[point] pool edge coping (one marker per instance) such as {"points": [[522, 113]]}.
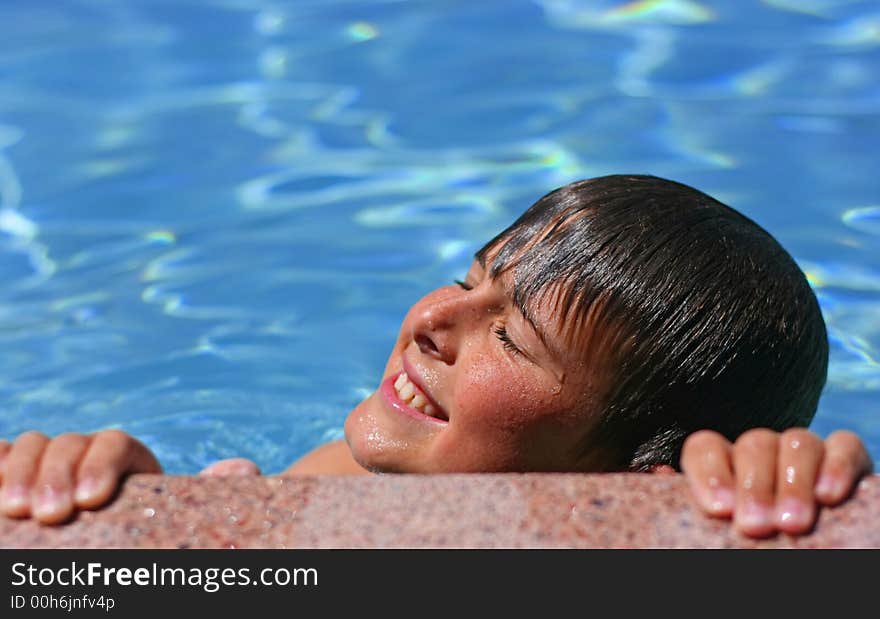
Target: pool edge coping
{"points": [[438, 511]]}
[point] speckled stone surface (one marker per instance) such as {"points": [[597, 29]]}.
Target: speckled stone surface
{"points": [[441, 511]]}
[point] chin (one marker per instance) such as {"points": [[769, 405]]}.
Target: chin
{"points": [[366, 440]]}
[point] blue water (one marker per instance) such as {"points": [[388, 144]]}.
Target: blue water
{"points": [[214, 213]]}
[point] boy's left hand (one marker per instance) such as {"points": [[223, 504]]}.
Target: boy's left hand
{"points": [[769, 481]]}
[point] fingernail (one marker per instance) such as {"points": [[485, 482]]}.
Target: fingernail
{"points": [[792, 512], [86, 489], [49, 500], [753, 515], [722, 500], [829, 486], [14, 497]]}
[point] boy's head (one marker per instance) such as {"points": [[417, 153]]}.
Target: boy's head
{"points": [[626, 312]]}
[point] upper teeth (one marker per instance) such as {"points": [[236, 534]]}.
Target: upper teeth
{"points": [[407, 392]]}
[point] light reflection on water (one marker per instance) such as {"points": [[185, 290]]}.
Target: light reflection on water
{"points": [[213, 215]]}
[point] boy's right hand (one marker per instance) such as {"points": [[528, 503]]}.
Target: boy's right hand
{"points": [[49, 479]]}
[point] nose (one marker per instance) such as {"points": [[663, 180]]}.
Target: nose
{"points": [[438, 325]]}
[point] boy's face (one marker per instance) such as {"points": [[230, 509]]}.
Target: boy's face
{"points": [[472, 385]]}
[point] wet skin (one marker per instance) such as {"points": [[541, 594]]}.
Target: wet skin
{"points": [[506, 398], [510, 398]]}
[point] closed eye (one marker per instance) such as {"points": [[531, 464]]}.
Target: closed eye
{"points": [[464, 285], [501, 333]]}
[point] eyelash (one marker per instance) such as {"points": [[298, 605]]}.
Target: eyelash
{"points": [[501, 332]]}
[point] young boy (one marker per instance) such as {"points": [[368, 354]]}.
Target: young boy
{"points": [[614, 319]]}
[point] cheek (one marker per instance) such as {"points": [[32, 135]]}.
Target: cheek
{"points": [[504, 395]]}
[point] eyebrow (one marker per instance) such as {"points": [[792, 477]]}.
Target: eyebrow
{"points": [[524, 311], [526, 314]]}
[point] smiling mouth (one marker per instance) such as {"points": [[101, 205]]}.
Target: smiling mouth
{"points": [[413, 397]]}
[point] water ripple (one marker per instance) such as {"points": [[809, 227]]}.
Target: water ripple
{"points": [[864, 219], [202, 203]]}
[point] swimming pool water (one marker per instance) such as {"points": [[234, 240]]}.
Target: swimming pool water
{"points": [[214, 213]]}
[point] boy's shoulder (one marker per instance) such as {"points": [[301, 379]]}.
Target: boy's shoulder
{"points": [[329, 459]]}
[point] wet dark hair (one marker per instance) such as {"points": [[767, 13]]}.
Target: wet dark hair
{"points": [[705, 320]]}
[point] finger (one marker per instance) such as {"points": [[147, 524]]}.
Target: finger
{"points": [[846, 461], [800, 455], [238, 467], [754, 463], [52, 492], [20, 468], [706, 463], [5, 447], [111, 455]]}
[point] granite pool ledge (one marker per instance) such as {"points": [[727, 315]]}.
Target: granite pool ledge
{"points": [[442, 511]]}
